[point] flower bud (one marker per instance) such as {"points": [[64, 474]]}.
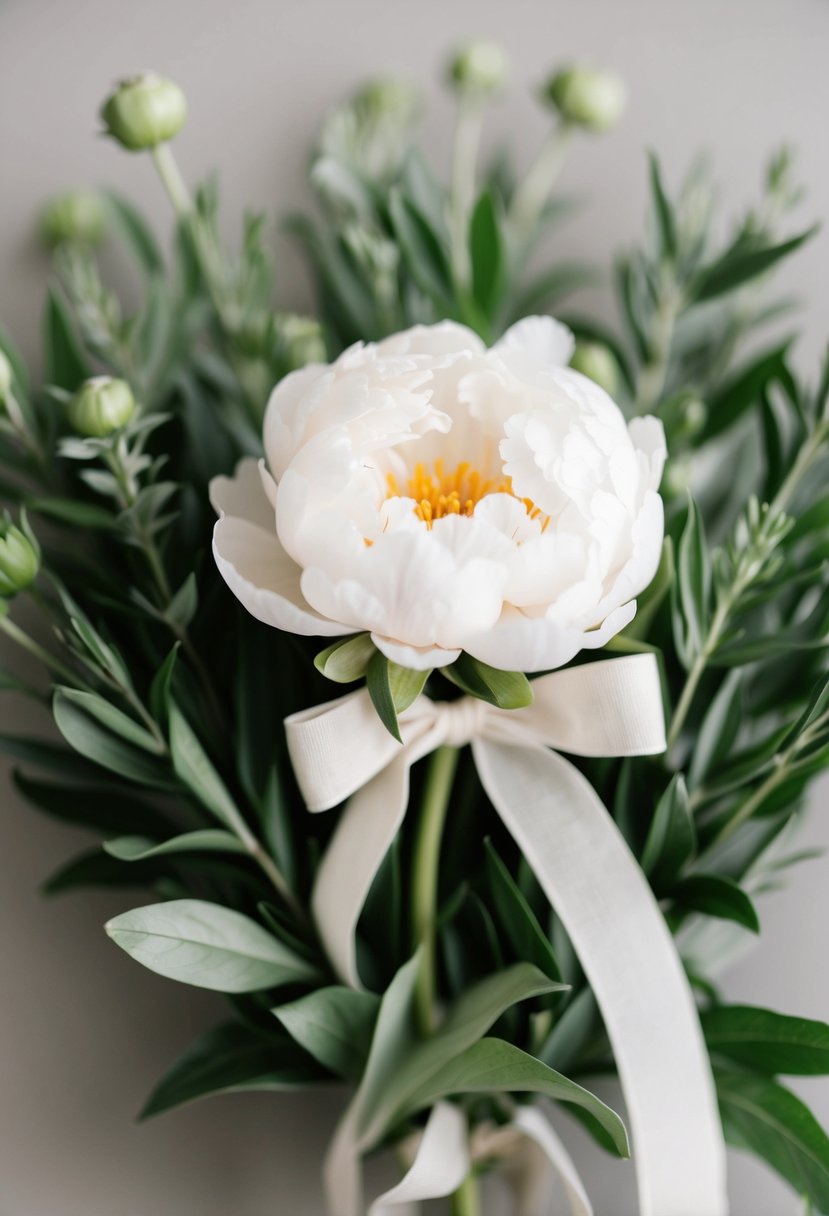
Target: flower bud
{"points": [[598, 362], [478, 67], [144, 111], [100, 406], [75, 216], [6, 378], [586, 97], [388, 99], [19, 559], [300, 340]]}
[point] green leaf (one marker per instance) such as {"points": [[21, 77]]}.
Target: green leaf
{"points": [[53, 757], [135, 232], [693, 582], [517, 920], [718, 732], [75, 514], [742, 390], [382, 697], [66, 365], [140, 848], [672, 838], [506, 689], [159, 696], [89, 737], [208, 946], [768, 1120], [767, 1042], [346, 660], [470, 1017], [493, 1066], [716, 896], [111, 718], [335, 1026], [405, 685], [193, 766], [551, 287], [229, 1059], [14, 357], [487, 255], [182, 607], [395, 1036], [741, 264], [663, 210], [93, 868], [421, 249], [103, 810]]}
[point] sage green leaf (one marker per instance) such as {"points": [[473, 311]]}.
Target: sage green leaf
{"points": [[663, 210], [50, 756], [740, 264], [421, 249], [208, 946], [111, 718], [494, 1066], [718, 732], [104, 810], [382, 698], [229, 1059], [762, 1116], [395, 1036], [743, 389], [140, 848], [346, 660], [405, 685], [89, 737], [716, 896], [135, 232], [693, 582], [74, 513], [159, 696], [505, 689], [466, 1021], [66, 365], [335, 1026], [767, 1042], [182, 607], [517, 920], [487, 255], [672, 838], [579, 1024], [193, 766]]}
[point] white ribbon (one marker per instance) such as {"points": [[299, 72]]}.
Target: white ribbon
{"points": [[609, 708]]}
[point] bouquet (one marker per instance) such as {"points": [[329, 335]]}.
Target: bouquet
{"points": [[535, 610]]}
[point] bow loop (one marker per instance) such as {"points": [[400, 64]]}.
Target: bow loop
{"points": [[460, 722]]}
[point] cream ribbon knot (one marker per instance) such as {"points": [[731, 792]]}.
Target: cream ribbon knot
{"points": [[608, 708]]}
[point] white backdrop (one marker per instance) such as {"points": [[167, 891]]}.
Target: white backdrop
{"points": [[83, 1031]]}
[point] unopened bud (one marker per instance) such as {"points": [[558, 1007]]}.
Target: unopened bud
{"points": [[301, 340], [598, 362], [479, 67], [388, 99], [100, 406], [19, 559], [74, 217], [587, 97], [144, 111]]}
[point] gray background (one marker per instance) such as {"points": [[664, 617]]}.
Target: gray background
{"points": [[83, 1031]]}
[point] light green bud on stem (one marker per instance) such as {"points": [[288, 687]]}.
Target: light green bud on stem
{"points": [[76, 216], [19, 559], [6, 378], [586, 97], [598, 362], [100, 406], [388, 99], [144, 111], [478, 67]]}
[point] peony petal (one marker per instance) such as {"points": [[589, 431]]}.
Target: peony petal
{"points": [[521, 643], [419, 658], [536, 342], [243, 495], [265, 580]]}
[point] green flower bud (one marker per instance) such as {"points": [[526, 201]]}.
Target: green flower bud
{"points": [[6, 378], [598, 362], [76, 216], [19, 559], [300, 340], [678, 476], [100, 406], [478, 67], [144, 111], [586, 97], [388, 99]]}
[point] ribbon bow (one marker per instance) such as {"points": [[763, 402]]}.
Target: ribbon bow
{"points": [[608, 708]]}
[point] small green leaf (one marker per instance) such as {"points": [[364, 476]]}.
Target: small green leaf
{"points": [[767, 1042], [94, 741], [111, 718], [662, 208], [66, 365], [334, 1025], [718, 732], [140, 848], [740, 264], [159, 698], [382, 697], [229, 1059], [421, 249], [346, 660], [193, 766], [75, 514], [671, 840], [136, 233], [517, 920], [506, 689], [208, 946], [406, 685], [742, 390], [182, 607], [693, 583], [487, 255], [716, 896], [98, 808]]}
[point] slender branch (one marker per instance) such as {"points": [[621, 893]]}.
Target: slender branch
{"points": [[533, 191], [49, 661], [466, 1200], [442, 766], [468, 128]]}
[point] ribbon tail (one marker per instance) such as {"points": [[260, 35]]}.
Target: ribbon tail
{"points": [[368, 825], [603, 899], [441, 1162], [342, 1171], [550, 1158]]}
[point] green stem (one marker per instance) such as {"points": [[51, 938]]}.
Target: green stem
{"points": [[651, 383], [468, 127], [466, 1200], [532, 193], [442, 766], [22, 639], [172, 180]]}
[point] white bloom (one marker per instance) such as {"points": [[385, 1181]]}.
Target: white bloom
{"points": [[446, 497]]}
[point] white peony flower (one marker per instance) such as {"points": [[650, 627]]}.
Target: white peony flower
{"points": [[447, 498]]}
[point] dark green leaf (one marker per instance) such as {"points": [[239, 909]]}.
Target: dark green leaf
{"points": [[76, 514], [487, 254], [382, 698], [96, 743], [663, 210], [671, 841], [517, 920], [101, 809], [66, 366], [767, 1042], [741, 264], [743, 390], [716, 896], [506, 689], [334, 1025], [421, 249]]}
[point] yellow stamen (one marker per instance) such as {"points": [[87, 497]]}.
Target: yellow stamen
{"points": [[458, 492]]}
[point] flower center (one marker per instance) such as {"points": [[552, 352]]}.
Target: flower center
{"points": [[439, 492]]}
